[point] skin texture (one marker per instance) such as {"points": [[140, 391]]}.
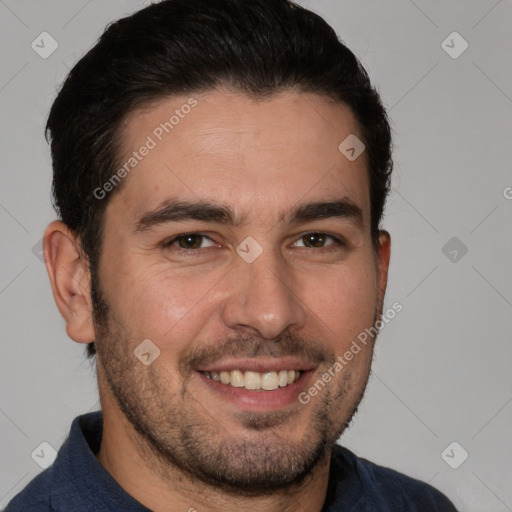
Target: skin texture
{"points": [[170, 439]]}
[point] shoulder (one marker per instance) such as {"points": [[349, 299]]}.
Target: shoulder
{"points": [[388, 489], [57, 484], [35, 497]]}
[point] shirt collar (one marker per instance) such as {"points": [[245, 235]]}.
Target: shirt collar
{"points": [[78, 477]]}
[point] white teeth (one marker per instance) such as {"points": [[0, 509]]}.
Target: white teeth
{"points": [[237, 379], [267, 381], [252, 380]]}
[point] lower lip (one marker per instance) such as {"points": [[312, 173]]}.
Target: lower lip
{"points": [[252, 400]]}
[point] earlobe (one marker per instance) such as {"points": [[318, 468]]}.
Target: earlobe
{"points": [[69, 275], [383, 258]]}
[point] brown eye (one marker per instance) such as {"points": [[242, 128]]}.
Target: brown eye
{"points": [[315, 239], [318, 240], [190, 241]]}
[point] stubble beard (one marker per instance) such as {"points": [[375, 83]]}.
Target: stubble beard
{"points": [[172, 431]]}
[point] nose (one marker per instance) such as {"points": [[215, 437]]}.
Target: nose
{"points": [[263, 297]]}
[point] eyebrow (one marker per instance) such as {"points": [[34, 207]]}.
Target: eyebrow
{"points": [[178, 211]]}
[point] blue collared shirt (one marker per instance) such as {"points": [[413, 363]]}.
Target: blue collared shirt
{"points": [[77, 482]]}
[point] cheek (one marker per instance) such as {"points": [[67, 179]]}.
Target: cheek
{"points": [[344, 304], [164, 304]]}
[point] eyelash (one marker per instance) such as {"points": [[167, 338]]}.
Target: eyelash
{"points": [[338, 242]]}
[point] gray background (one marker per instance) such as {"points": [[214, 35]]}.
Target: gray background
{"points": [[442, 367]]}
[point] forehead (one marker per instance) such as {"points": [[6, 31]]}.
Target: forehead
{"points": [[259, 156]]}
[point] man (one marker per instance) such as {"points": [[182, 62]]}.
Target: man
{"points": [[220, 172]]}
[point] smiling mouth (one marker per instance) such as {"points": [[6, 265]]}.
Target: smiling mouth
{"points": [[266, 381]]}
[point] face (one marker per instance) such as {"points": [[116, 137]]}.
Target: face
{"points": [[240, 246]]}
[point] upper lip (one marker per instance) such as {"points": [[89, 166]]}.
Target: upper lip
{"points": [[259, 365]]}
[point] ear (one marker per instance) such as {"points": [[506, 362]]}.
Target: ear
{"points": [[383, 257], [69, 274]]}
